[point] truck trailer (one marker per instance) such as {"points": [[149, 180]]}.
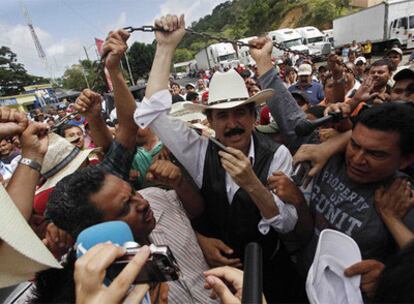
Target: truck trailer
{"points": [[387, 24]]}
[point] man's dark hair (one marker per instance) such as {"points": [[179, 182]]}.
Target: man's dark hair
{"points": [[191, 96], [64, 127], [391, 117], [56, 285], [382, 62], [395, 283], [69, 205]]}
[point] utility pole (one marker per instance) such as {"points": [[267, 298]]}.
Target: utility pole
{"points": [[86, 53], [129, 69]]}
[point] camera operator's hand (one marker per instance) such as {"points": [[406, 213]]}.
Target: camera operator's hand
{"points": [[12, 122], [89, 104], [165, 172], [90, 272], [213, 250], [114, 48], [221, 279], [34, 141]]}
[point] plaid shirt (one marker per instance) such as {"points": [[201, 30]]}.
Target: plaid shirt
{"points": [[117, 161]]}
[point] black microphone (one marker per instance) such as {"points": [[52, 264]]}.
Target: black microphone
{"points": [[253, 274], [306, 127]]}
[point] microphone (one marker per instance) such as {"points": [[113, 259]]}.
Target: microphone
{"points": [[253, 274], [306, 127], [117, 232]]}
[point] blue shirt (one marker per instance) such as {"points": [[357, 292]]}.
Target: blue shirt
{"points": [[314, 92]]}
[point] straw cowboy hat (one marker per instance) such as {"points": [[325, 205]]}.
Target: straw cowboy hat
{"points": [[61, 159], [227, 90], [22, 253], [178, 111]]}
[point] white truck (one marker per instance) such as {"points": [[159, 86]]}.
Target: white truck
{"points": [[315, 40], [385, 25], [288, 38], [218, 55], [244, 53]]}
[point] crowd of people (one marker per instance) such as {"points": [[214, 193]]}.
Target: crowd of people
{"points": [[207, 169]]}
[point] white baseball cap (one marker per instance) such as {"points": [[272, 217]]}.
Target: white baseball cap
{"points": [[326, 281], [360, 59], [305, 70]]}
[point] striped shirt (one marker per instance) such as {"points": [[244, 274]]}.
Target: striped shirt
{"points": [[174, 229]]}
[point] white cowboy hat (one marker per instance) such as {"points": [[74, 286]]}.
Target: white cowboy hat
{"points": [[61, 159], [188, 115], [22, 253], [227, 90]]}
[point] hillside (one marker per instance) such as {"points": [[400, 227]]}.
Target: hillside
{"points": [[244, 18]]}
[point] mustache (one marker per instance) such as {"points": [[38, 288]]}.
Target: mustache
{"points": [[235, 131]]}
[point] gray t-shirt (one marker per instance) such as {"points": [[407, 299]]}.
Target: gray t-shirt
{"points": [[335, 202]]}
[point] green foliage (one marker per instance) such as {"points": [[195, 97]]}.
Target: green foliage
{"points": [[78, 76], [13, 75], [140, 57], [244, 18], [182, 55]]}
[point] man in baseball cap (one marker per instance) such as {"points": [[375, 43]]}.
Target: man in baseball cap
{"points": [[403, 89], [305, 84]]}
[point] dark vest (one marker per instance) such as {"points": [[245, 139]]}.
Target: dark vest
{"points": [[236, 223]]}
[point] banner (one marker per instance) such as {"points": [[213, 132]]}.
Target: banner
{"points": [[99, 44]]}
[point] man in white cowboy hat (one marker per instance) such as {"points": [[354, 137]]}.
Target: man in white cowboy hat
{"points": [[238, 208]]}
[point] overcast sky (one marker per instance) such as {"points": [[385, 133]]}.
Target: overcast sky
{"points": [[65, 26]]}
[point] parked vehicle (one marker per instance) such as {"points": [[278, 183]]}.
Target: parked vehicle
{"points": [[387, 24], [315, 40], [288, 38], [218, 55], [244, 53], [329, 36]]}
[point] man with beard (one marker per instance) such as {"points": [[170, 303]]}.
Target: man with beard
{"points": [[313, 89], [238, 208]]}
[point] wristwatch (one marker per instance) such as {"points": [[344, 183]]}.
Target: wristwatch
{"points": [[31, 163]]}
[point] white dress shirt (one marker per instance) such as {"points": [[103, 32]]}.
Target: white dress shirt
{"points": [[190, 150]]}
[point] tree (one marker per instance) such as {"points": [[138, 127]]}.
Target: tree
{"points": [[80, 75], [13, 75], [140, 57], [182, 55]]}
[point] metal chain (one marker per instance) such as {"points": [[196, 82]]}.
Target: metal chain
{"points": [[150, 28]]}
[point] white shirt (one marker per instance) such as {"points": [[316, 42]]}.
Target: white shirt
{"points": [[190, 149]]}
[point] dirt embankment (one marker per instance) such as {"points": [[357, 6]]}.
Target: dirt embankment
{"points": [[291, 19]]}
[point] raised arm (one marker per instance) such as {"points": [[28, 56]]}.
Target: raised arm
{"points": [[282, 105], [166, 45], [89, 105], [115, 47], [21, 187]]}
